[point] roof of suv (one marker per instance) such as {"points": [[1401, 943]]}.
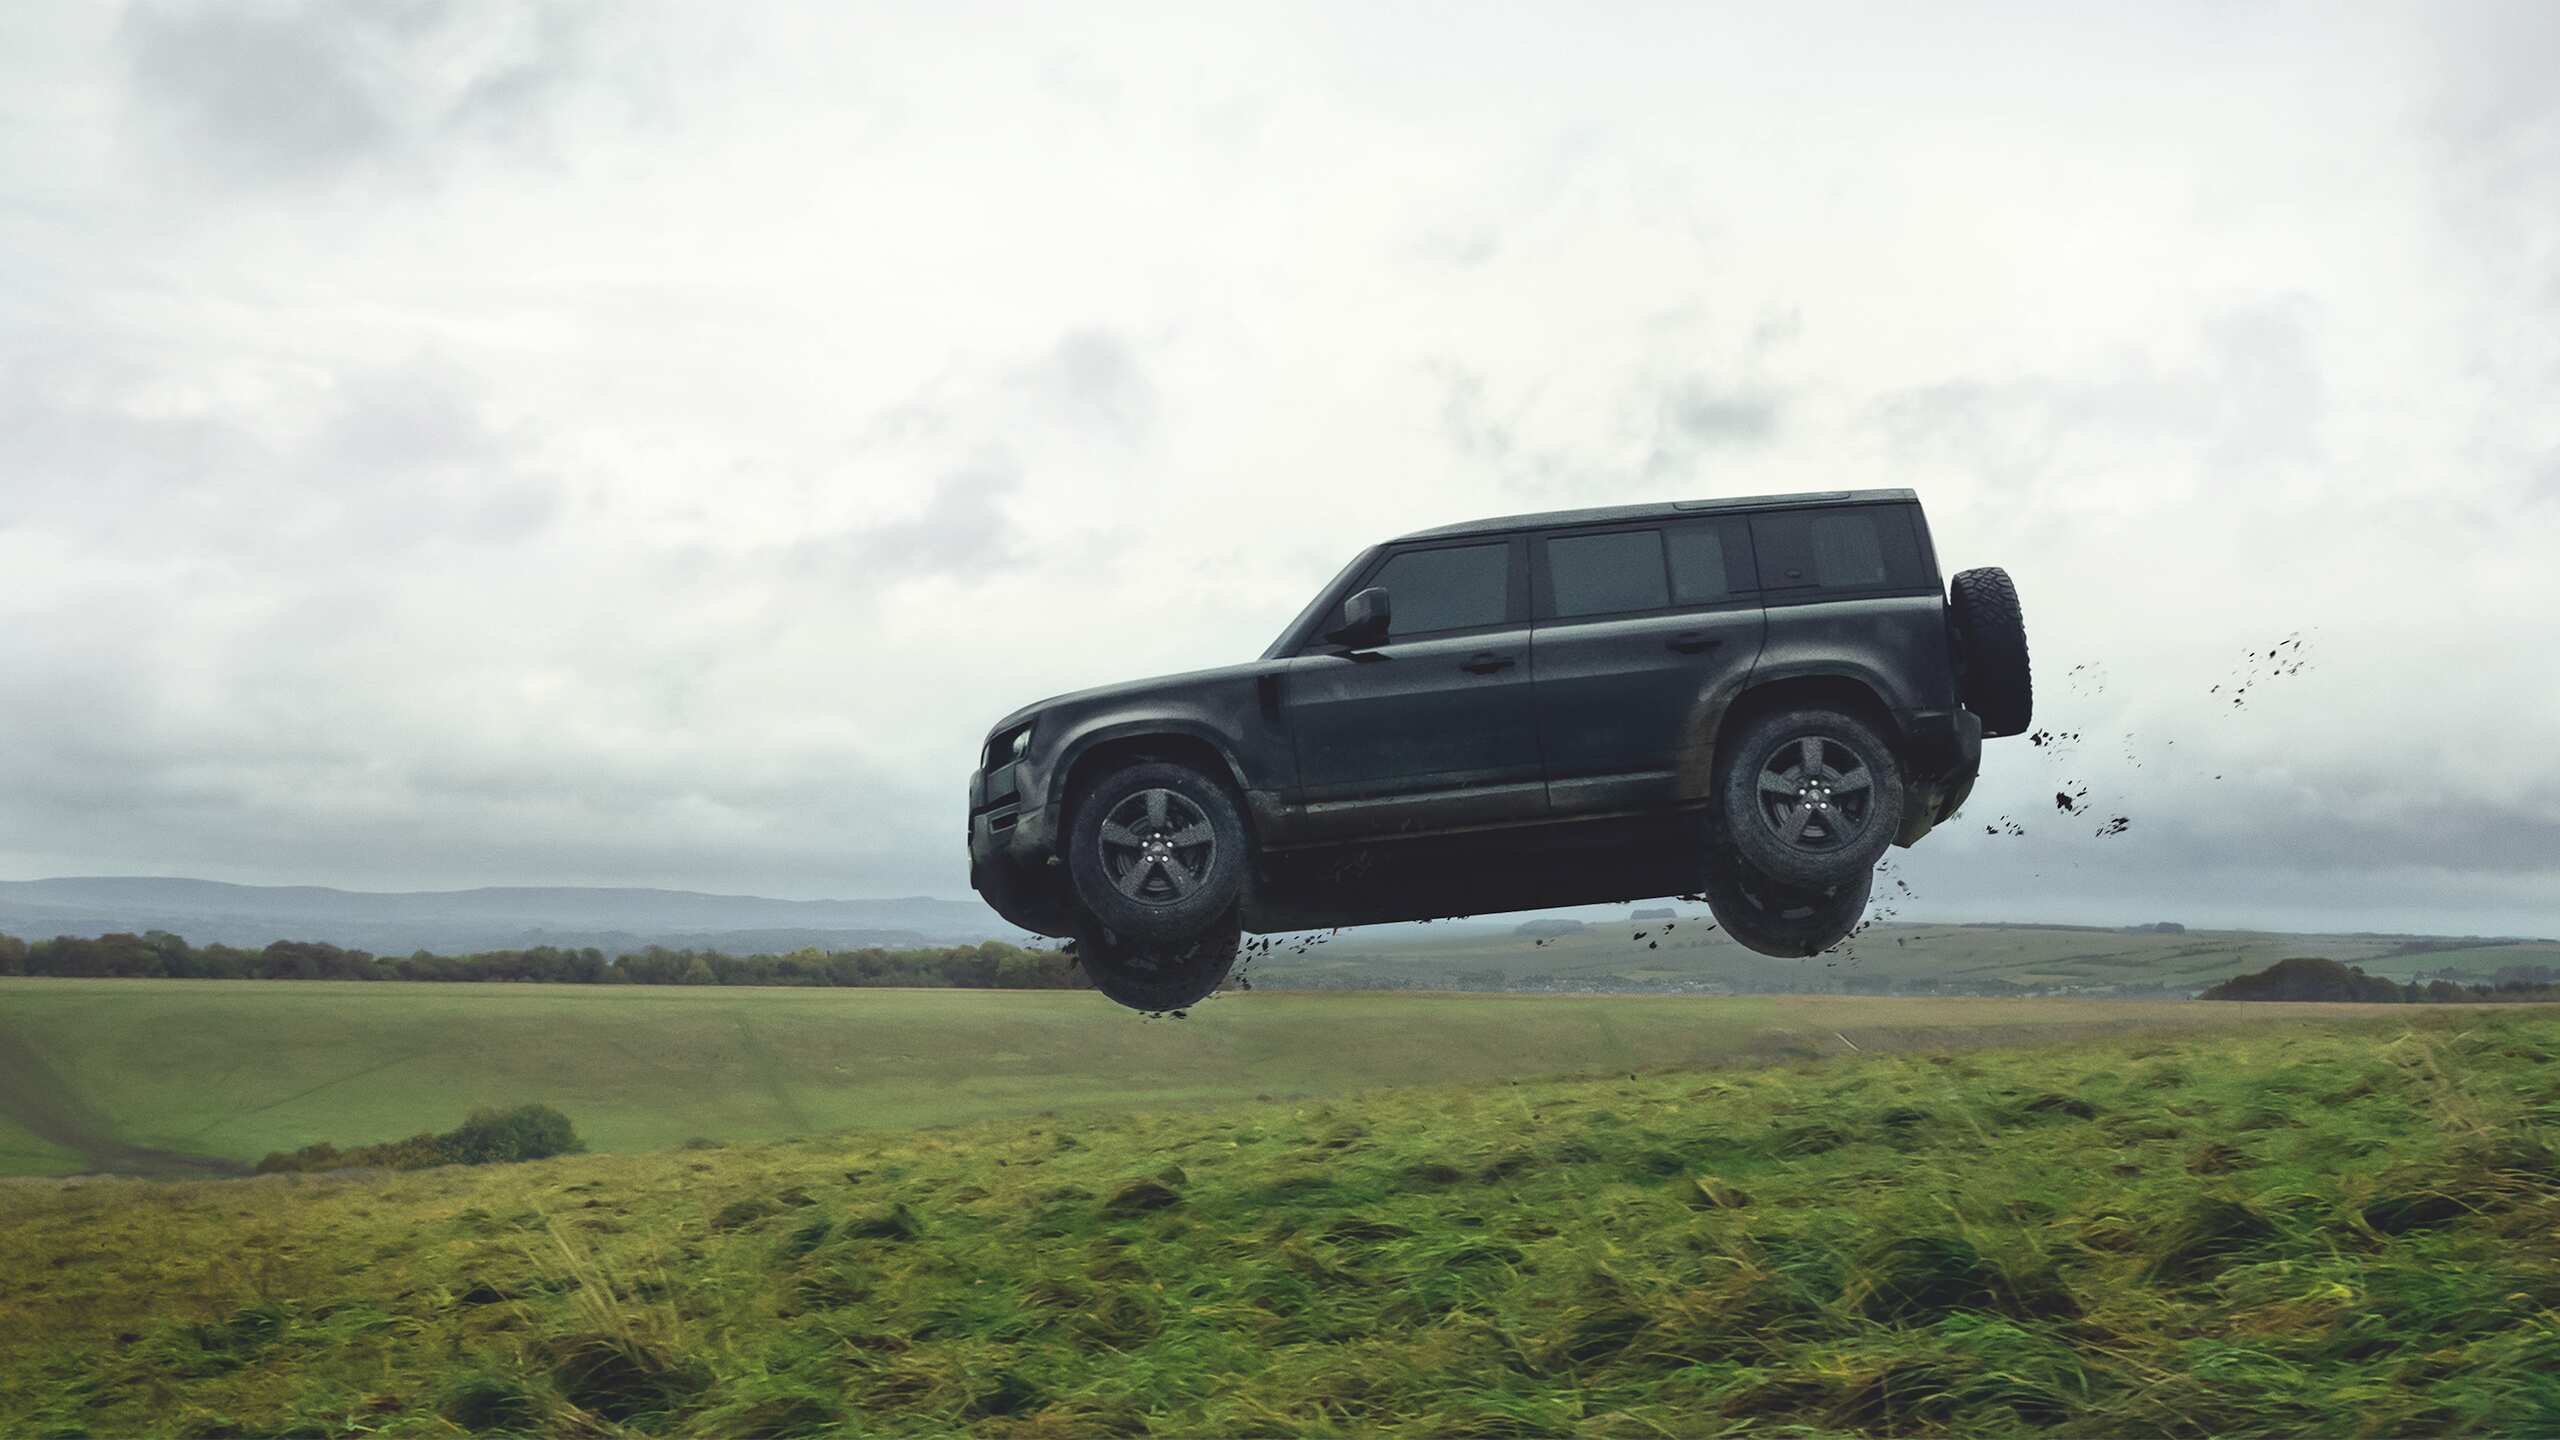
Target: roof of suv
{"points": [[1657, 510]]}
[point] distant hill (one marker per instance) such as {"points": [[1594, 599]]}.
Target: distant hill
{"points": [[614, 919], [2306, 977]]}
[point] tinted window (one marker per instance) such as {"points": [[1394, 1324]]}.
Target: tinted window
{"points": [[1447, 589], [1847, 551], [1699, 574], [1868, 547], [1606, 574]]}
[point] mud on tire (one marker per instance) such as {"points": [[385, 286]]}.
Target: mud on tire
{"points": [[1156, 850], [1993, 674], [1773, 919], [1810, 798], [1158, 975]]}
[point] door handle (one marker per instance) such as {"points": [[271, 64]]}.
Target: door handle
{"points": [[1487, 663], [1690, 642]]}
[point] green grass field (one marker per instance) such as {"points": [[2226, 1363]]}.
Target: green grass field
{"points": [[2336, 1227], [1609, 956], [140, 1075]]}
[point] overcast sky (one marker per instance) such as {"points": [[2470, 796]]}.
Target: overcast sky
{"points": [[452, 444]]}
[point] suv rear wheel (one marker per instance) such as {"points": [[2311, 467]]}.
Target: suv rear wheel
{"points": [[1156, 850], [1811, 797], [1159, 975]]}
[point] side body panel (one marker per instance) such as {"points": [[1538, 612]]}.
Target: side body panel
{"points": [[1895, 645], [1628, 713], [1233, 712], [1636, 670], [1853, 592], [1409, 735], [1430, 731]]}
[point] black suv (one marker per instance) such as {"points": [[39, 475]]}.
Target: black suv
{"points": [[1747, 697]]}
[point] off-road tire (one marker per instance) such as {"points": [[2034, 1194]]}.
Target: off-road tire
{"points": [[1183, 880], [1774, 920], [1992, 673], [1809, 798], [1159, 975]]}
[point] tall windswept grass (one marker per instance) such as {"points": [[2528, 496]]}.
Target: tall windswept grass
{"points": [[2318, 1228]]}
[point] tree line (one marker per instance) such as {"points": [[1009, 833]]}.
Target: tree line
{"points": [[159, 955]]}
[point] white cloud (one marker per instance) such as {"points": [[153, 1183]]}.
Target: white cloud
{"points": [[649, 444]]}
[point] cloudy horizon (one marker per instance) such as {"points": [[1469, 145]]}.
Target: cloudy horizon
{"points": [[466, 445]]}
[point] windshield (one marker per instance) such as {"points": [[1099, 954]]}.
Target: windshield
{"points": [[1280, 646]]}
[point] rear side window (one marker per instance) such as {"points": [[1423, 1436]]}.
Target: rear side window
{"points": [[1847, 551], [1624, 572], [1458, 589], [1606, 574], [1863, 548]]}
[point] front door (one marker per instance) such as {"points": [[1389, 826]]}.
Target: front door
{"points": [[1643, 636], [1435, 729]]}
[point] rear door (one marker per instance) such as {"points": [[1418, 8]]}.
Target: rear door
{"points": [[1643, 635], [1434, 729]]}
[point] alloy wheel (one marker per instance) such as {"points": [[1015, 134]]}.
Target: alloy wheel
{"points": [[1157, 847], [1815, 793]]}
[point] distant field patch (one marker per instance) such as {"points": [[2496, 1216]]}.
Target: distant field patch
{"points": [[1912, 959]]}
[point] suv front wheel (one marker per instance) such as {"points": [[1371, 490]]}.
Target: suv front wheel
{"points": [[1159, 975], [1811, 797], [1156, 851]]}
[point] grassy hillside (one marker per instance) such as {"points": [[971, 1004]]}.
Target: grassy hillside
{"points": [[2335, 1228], [142, 1074], [1955, 958]]}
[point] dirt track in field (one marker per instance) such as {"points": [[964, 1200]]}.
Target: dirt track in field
{"points": [[39, 1100]]}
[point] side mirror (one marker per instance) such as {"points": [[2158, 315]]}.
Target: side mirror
{"points": [[1364, 621]]}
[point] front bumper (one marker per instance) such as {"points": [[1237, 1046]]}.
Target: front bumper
{"points": [[1011, 856], [1011, 835], [1942, 756]]}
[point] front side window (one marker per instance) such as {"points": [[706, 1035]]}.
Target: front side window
{"points": [[1458, 589], [1607, 574]]}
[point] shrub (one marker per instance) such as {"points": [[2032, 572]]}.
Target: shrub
{"points": [[528, 1132], [488, 1137]]}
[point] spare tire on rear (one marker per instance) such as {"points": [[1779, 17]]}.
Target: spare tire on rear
{"points": [[1991, 650]]}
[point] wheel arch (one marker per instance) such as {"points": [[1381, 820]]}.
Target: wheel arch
{"points": [[1843, 690], [1092, 755]]}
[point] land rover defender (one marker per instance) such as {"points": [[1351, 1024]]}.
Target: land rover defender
{"points": [[1749, 698]]}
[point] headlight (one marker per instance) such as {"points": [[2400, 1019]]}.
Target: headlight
{"points": [[1006, 747]]}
